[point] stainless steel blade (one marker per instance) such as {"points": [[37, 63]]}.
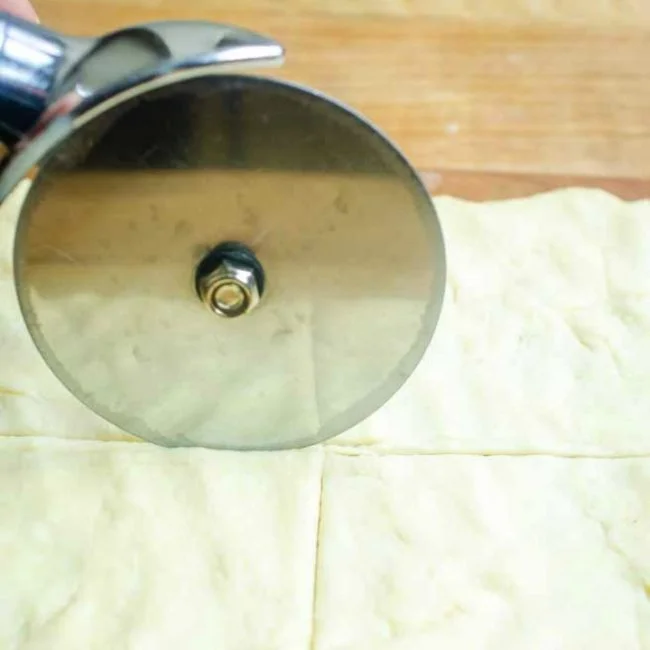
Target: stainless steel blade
{"points": [[122, 212]]}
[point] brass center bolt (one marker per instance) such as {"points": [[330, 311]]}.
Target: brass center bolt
{"points": [[230, 280]]}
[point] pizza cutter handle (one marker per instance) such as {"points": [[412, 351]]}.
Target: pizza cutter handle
{"points": [[30, 57], [44, 74]]}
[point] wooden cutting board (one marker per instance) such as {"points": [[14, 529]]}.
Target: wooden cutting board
{"points": [[489, 100]]}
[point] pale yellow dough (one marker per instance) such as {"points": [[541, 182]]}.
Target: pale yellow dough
{"points": [[458, 553], [107, 546], [447, 520]]}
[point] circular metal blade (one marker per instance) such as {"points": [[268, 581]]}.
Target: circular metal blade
{"points": [[121, 213]]}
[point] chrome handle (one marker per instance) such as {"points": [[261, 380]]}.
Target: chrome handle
{"points": [[40, 68], [30, 60]]}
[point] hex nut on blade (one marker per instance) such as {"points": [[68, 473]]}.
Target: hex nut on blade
{"points": [[230, 290]]}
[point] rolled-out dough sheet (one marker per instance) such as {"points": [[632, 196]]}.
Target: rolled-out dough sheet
{"points": [[499, 553], [116, 545], [543, 347], [544, 340]]}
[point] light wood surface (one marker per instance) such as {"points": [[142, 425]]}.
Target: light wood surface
{"points": [[488, 99]]}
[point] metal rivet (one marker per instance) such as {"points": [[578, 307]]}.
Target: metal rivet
{"points": [[230, 290]]}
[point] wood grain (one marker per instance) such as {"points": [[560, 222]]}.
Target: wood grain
{"points": [[582, 12], [512, 93]]}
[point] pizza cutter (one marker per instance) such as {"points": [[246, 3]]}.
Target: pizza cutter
{"points": [[205, 257]]}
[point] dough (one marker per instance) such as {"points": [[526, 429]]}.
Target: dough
{"points": [[113, 545], [543, 345], [543, 348], [544, 341], [131, 546], [458, 553]]}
